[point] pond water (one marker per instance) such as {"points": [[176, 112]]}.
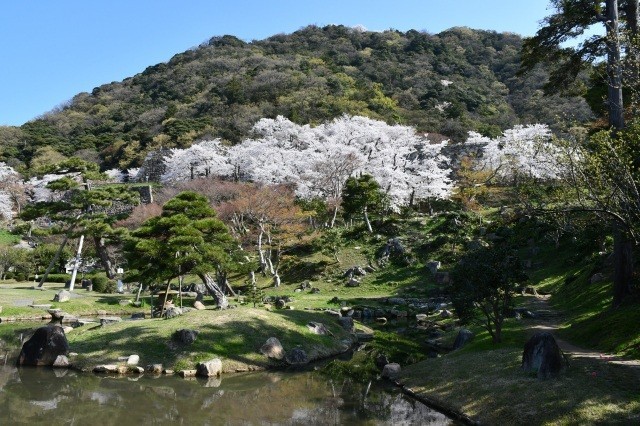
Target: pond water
{"points": [[58, 397]]}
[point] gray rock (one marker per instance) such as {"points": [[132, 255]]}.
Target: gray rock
{"points": [[273, 349], [355, 271], [543, 356], [125, 302], [464, 336], [199, 305], [397, 301], [172, 312], [109, 320], [421, 317], [133, 359], [281, 304], [209, 368], [391, 371], [44, 346], [318, 328], [297, 356], [353, 282], [154, 368], [138, 315], [381, 320], [596, 278], [62, 296], [346, 323], [186, 336], [61, 362]]}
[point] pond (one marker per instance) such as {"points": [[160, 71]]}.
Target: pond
{"points": [[56, 397]]}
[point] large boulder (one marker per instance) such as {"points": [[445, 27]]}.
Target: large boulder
{"points": [[44, 347], [543, 356], [209, 368], [273, 349], [62, 296], [464, 336]]}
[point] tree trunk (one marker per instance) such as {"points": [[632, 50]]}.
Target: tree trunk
{"points": [[223, 282], [623, 266], [333, 218], [263, 263], [614, 67], [105, 260], [366, 220], [215, 290]]}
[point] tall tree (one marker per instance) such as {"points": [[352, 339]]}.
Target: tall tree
{"points": [[187, 238], [571, 20]]}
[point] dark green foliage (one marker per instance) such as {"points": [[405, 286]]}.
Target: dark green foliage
{"points": [[315, 74], [186, 238], [100, 283], [362, 196], [487, 279]]}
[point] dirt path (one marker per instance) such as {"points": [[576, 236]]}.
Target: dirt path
{"points": [[548, 319]]}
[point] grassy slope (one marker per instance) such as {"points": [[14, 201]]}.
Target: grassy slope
{"points": [[484, 380]]}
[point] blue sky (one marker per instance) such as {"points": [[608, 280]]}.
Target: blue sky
{"points": [[53, 50]]}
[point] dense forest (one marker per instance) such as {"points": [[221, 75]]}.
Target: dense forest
{"points": [[450, 83]]}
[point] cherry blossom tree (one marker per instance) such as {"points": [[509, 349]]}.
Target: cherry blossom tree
{"points": [[203, 159], [318, 160], [523, 151]]}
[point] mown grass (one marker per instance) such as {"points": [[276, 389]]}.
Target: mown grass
{"points": [[16, 296], [234, 335]]}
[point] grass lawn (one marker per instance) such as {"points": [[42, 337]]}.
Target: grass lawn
{"points": [[485, 382]]}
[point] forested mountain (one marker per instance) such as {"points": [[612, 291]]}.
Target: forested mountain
{"points": [[449, 83]]}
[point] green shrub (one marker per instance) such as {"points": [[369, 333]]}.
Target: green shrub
{"points": [[52, 278], [110, 287], [99, 283]]}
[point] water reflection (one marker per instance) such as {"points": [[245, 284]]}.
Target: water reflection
{"points": [[39, 396]]}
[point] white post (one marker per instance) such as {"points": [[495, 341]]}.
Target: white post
{"points": [[76, 264]]}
